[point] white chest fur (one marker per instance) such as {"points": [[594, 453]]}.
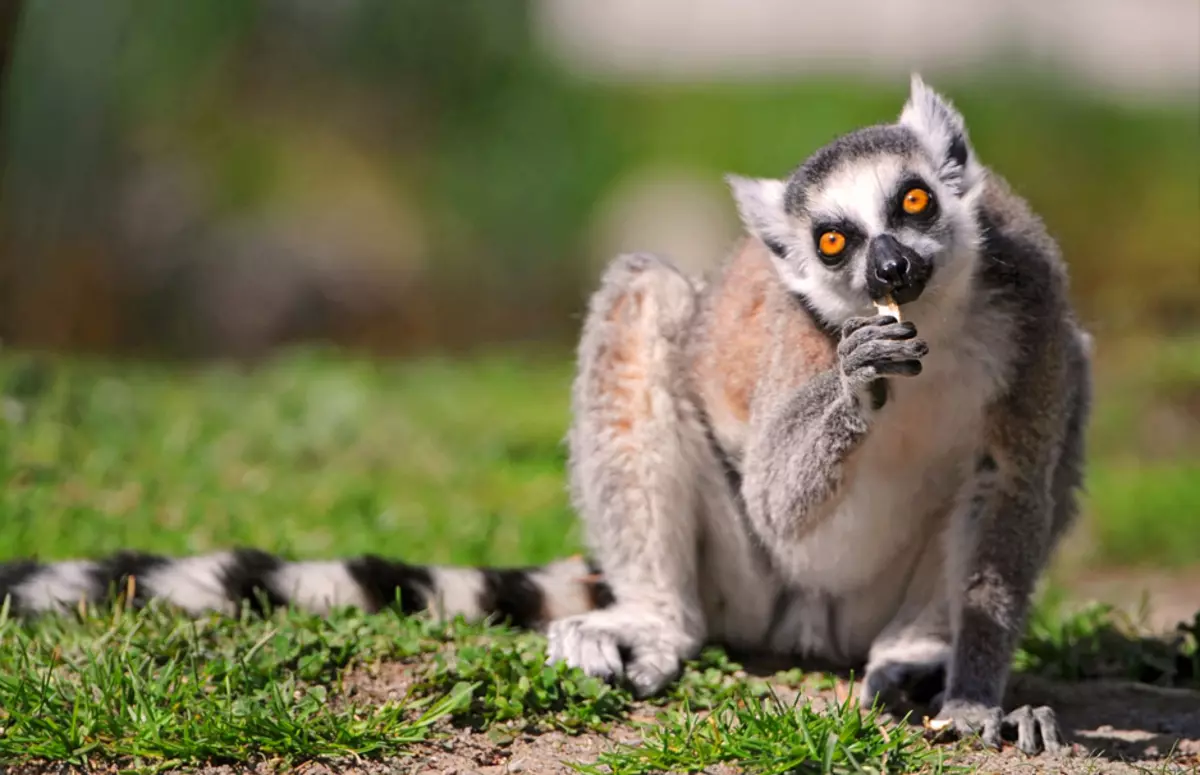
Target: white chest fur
{"points": [[920, 449]]}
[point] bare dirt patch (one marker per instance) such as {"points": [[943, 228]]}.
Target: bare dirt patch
{"points": [[472, 753], [1118, 722]]}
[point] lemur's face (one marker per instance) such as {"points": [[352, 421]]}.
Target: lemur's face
{"points": [[884, 211]]}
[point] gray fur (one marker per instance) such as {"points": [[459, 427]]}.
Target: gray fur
{"points": [[794, 459], [906, 534], [857, 146], [1035, 433], [637, 446]]}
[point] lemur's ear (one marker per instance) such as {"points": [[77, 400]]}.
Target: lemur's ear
{"points": [[760, 205], [943, 133]]}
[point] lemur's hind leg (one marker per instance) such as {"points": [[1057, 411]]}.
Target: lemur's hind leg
{"points": [[635, 445]]}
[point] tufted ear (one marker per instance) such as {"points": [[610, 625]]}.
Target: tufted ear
{"points": [[760, 205], [943, 133]]}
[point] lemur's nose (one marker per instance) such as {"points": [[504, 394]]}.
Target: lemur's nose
{"points": [[892, 269], [888, 262]]}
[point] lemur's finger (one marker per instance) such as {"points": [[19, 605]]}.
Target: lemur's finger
{"points": [[1047, 721], [880, 351], [1026, 728], [990, 735], [854, 324], [898, 368], [884, 332], [903, 330]]}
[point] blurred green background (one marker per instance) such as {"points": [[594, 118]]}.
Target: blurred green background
{"points": [[439, 183]]}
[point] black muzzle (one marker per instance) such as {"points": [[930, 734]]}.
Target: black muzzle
{"points": [[895, 270]]}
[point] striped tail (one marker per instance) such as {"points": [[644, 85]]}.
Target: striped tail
{"points": [[524, 597]]}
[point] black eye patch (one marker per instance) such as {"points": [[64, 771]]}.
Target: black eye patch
{"points": [[848, 229]]}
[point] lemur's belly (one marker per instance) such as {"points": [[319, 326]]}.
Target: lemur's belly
{"points": [[897, 486], [899, 490], [884, 517], [833, 591]]}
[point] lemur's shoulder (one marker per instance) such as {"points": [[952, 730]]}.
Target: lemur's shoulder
{"points": [[1023, 274], [746, 314], [1018, 255], [1025, 277]]}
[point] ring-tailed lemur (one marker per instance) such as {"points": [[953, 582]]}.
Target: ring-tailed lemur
{"points": [[764, 462]]}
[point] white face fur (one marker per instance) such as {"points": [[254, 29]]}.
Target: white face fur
{"points": [[858, 182]]}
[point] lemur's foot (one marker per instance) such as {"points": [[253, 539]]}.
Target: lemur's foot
{"points": [[885, 682], [1036, 729], [620, 643]]}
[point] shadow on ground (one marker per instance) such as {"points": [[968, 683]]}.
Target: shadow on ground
{"points": [[1119, 720], [1122, 699]]}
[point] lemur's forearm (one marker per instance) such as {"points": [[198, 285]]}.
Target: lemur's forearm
{"points": [[794, 461], [1001, 574], [1006, 530]]}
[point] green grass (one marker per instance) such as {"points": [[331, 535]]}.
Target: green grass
{"points": [[433, 461], [158, 690], [152, 690], [772, 737], [512, 683], [1102, 642], [1147, 512], [449, 462], [1144, 475]]}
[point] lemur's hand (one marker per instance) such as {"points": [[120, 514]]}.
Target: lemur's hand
{"points": [[878, 347]]}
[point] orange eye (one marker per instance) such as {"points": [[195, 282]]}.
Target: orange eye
{"points": [[832, 243], [915, 201]]}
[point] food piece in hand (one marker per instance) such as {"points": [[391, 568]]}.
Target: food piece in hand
{"points": [[887, 306]]}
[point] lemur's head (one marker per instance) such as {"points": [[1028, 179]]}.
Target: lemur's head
{"points": [[886, 210]]}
